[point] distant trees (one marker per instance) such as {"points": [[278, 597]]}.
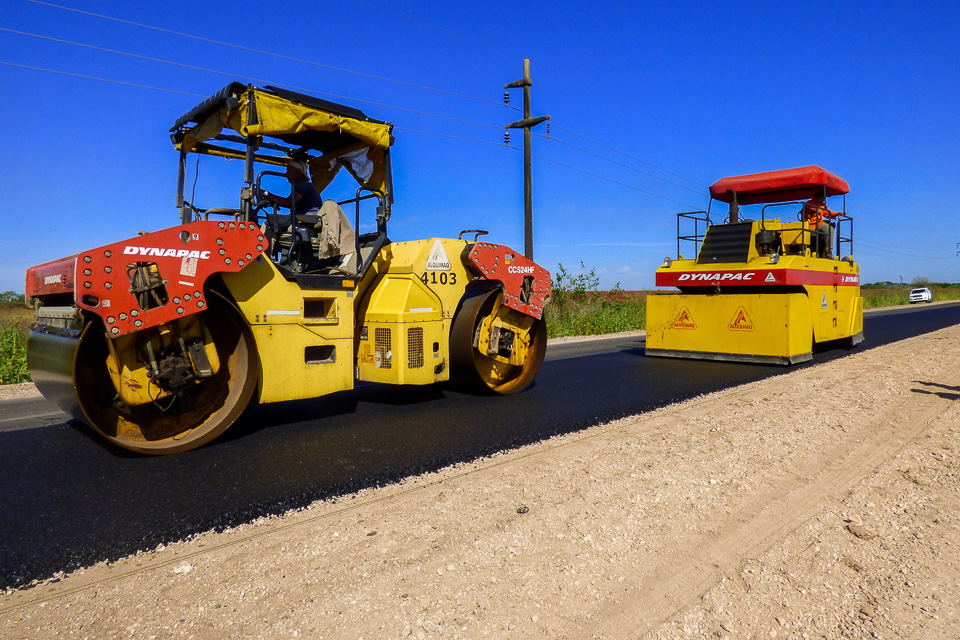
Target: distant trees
{"points": [[920, 281], [11, 296]]}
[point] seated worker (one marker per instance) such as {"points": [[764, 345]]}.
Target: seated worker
{"points": [[814, 213], [306, 198]]}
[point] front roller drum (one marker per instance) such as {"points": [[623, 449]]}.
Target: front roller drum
{"points": [[193, 417], [471, 332]]}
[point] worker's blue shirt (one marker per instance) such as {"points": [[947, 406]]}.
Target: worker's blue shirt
{"points": [[309, 197]]}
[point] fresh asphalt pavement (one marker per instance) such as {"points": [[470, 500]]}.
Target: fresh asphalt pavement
{"points": [[70, 500]]}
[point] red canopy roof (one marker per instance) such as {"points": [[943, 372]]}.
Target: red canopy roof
{"points": [[801, 183]]}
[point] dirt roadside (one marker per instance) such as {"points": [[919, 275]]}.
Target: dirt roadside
{"points": [[823, 503]]}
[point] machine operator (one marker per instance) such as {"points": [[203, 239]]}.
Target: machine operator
{"points": [[335, 235], [817, 216]]}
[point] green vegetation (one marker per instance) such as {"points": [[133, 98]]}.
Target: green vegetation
{"points": [[578, 309], [877, 294], [15, 321], [13, 356]]}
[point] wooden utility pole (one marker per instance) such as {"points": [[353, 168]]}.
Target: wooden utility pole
{"points": [[526, 125]]}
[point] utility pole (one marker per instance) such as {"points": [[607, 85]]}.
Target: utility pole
{"points": [[526, 125]]}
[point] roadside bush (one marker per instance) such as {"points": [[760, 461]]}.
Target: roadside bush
{"points": [[13, 355], [578, 309]]}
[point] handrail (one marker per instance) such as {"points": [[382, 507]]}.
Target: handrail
{"points": [[697, 237], [381, 225]]}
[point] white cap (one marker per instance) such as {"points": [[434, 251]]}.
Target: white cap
{"points": [[300, 165]]}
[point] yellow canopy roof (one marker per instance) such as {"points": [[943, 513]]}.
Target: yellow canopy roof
{"points": [[330, 135]]}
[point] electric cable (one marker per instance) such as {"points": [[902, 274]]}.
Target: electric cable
{"points": [[568, 166], [887, 257], [622, 184], [447, 135], [267, 53], [569, 79], [120, 82], [612, 161], [187, 35], [250, 78], [623, 153]]}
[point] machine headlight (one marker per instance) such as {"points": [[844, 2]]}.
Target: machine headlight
{"points": [[775, 258], [667, 262]]}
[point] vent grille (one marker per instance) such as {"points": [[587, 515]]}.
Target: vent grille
{"points": [[415, 348], [726, 243], [383, 355]]}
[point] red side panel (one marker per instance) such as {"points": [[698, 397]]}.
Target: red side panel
{"points": [[497, 262], [801, 183], [51, 278], [756, 278], [185, 257]]}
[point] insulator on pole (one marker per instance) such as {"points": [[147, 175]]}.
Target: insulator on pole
{"points": [[506, 138], [506, 97], [548, 128]]}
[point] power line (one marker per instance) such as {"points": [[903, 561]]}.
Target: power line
{"points": [[623, 153], [622, 184], [446, 135], [568, 166], [901, 254], [234, 75], [126, 84], [895, 246], [267, 53], [887, 257], [612, 161], [565, 76], [310, 62]]}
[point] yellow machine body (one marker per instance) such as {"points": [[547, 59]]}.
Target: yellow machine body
{"points": [[392, 326], [768, 307]]}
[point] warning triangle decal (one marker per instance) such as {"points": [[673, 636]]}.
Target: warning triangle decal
{"points": [[823, 305], [684, 320], [438, 260], [770, 277], [741, 321]]}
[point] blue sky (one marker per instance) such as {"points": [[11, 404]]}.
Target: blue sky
{"points": [[677, 94]]}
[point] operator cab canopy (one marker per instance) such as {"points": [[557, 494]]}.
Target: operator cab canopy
{"points": [[282, 123], [801, 183]]}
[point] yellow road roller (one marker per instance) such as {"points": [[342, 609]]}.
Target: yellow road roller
{"points": [[765, 289], [160, 341]]}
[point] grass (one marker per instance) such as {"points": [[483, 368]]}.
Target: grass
{"points": [[578, 309], [15, 322], [873, 298]]}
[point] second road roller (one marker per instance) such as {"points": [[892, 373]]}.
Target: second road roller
{"points": [[159, 342], [766, 289]]}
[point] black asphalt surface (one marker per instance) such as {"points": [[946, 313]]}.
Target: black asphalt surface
{"points": [[69, 500]]}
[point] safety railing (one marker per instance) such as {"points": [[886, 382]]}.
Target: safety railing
{"points": [[694, 218]]}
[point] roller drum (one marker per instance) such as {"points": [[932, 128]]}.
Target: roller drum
{"points": [[51, 359]]}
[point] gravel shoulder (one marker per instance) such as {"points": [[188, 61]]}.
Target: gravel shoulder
{"points": [[822, 503]]}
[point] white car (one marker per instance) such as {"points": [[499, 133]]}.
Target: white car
{"points": [[921, 295]]}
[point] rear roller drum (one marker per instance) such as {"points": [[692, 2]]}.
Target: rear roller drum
{"points": [[187, 420], [496, 347]]}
